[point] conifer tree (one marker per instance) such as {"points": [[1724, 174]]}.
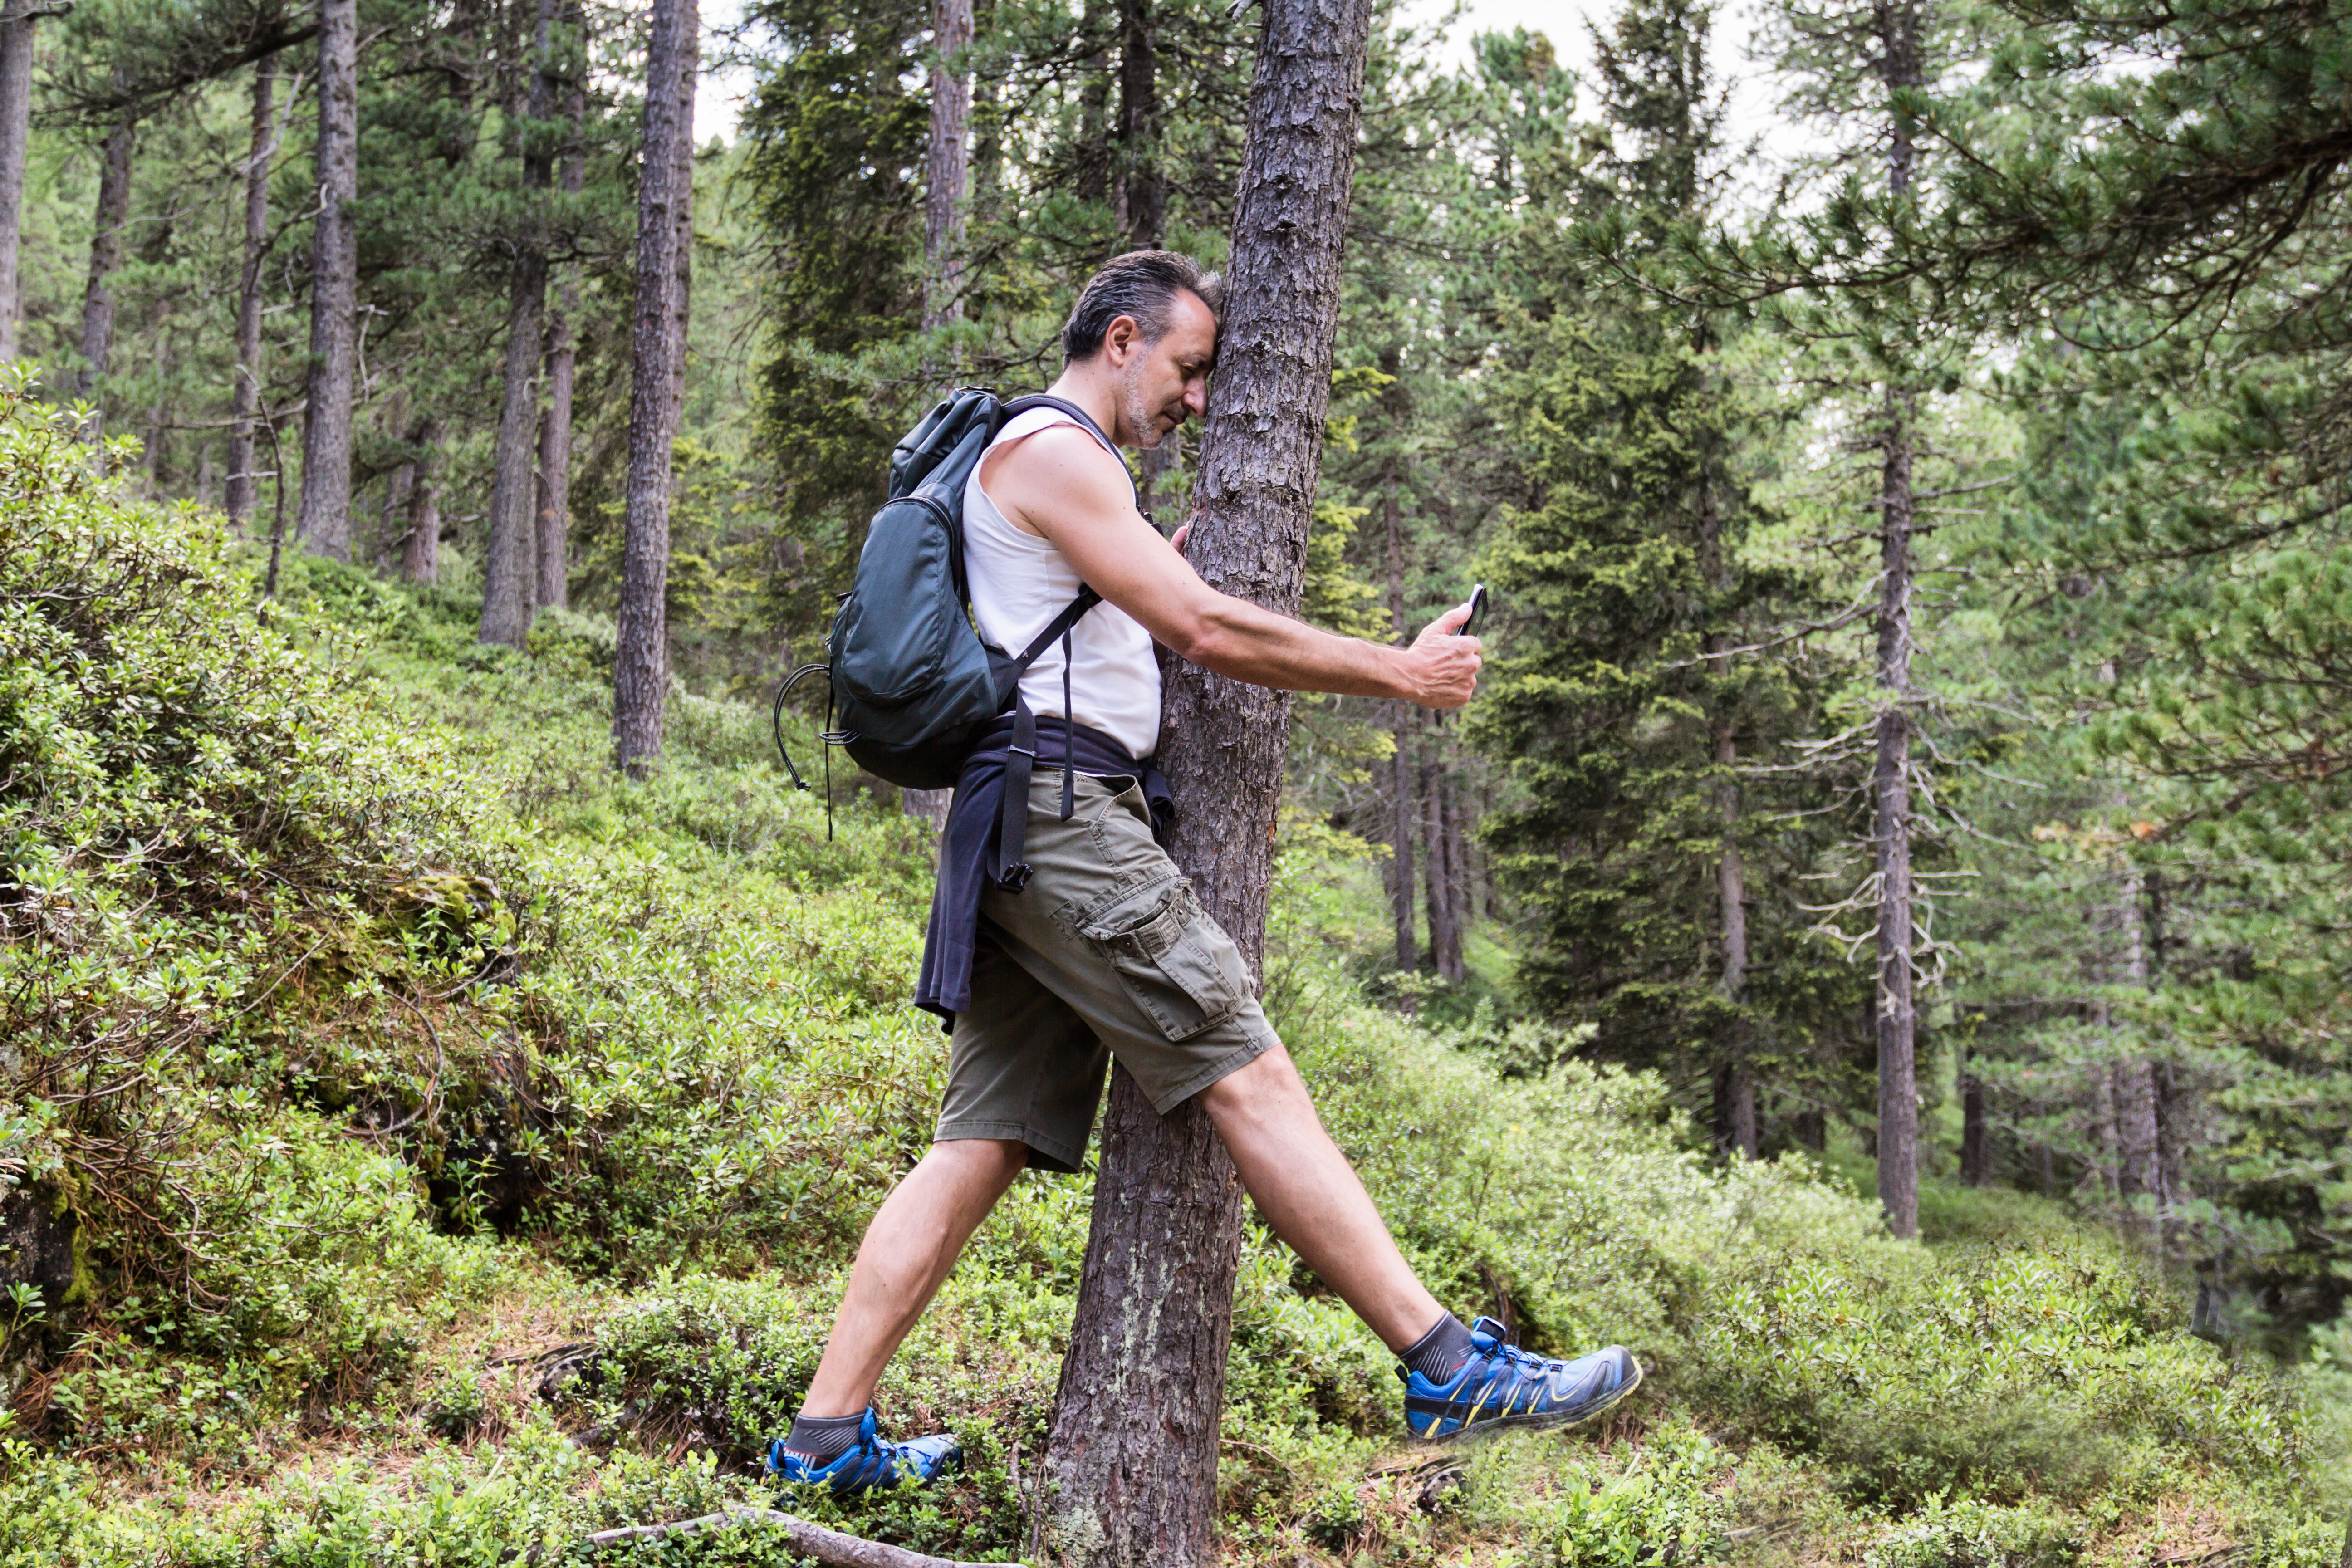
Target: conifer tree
{"points": [[656, 360], [1614, 695], [510, 570], [325, 520]]}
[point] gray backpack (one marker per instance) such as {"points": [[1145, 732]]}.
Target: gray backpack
{"points": [[913, 683]]}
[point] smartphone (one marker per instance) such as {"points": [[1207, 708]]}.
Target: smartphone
{"points": [[1477, 612]]}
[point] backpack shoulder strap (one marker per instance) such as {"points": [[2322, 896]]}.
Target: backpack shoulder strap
{"points": [[1072, 613], [1036, 400]]}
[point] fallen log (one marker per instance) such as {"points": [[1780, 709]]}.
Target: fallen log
{"points": [[830, 1547]]}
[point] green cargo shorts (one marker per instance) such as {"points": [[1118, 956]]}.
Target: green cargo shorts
{"points": [[1105, 953]]}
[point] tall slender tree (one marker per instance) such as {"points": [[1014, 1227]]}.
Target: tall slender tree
{"points": [[107, 230], [656, 364], [945, 195], [551, 549], [1132, 1458], [509, 570], [245, 393], [17, 19], [325, 517], [1896, 25]]}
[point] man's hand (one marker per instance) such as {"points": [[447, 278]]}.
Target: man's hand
{"points": [[1442, 663]]}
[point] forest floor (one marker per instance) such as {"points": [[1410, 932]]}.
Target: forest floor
{"points": [[541, 1186]]}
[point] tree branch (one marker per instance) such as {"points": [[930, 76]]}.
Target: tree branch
{"points": [[829, 1547]]}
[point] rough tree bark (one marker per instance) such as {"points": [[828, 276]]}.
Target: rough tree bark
{"points": [[1131, 1466], [947, 166], [17, 19], [658, 366], [1141, 198], [1142, 193], [1731, 903], [2140, 1175], [510, 567], [946, 174], [107, 231], [420, 556], [551, 549], [1457, 877], [324, 520], [1898, 1020], [1898, 1093], [245, 395], [1401, 774], [1438, 843], [1736, 1083], [1093, 182], [1976, 1137]]}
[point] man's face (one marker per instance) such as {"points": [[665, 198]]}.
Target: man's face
{"points": [[1160, 383]]}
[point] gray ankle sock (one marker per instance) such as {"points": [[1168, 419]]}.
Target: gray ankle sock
{"points": [[824, 1439], [1438, 1354]]}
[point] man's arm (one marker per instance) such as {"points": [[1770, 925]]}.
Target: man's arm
{"points": [[1065, 486]]}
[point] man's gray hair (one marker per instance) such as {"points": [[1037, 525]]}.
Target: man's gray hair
{"points": [[1142, 284]]}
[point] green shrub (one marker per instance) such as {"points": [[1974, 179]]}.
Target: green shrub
{"points": [[1972, 1534]]}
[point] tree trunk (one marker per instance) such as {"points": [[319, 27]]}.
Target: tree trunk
{"points": [[1457, 877], [1976, 1138], [156, 447], [244, 396], [1400, 834], [552, 549], [1734, 1084], [1094, 110], [391, 531], [1142, 199], [987, 124], [947, 168], [420, 558], [658, 359], [1132, 1463], [1898, 1095], [1143, 192], [1898, 1020], [324, 520], [1731, 906], [945, 174], [16, 23], [1437, 843], [105, 255], [509, 568], [2140, 1177]]}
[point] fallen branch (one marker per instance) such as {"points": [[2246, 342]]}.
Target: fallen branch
{"points": [[830, 1547]]}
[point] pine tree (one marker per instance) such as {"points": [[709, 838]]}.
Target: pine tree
{"points": [[325, 520], [1615, 694], [657, 356]]}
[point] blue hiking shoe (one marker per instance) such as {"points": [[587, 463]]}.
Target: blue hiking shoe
{"points": [[869, 1462], [1502, 1386]]}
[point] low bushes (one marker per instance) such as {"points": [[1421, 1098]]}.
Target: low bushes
{"points": [[353, 1000]]}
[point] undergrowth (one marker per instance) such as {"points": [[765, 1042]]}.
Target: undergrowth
{"points": [[424, 1146]]}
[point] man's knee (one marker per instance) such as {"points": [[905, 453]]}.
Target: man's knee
{"points": [[1269, 1079], [994, 1160]]}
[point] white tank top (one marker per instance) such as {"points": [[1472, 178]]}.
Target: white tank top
{"points": [[1020, 582]]}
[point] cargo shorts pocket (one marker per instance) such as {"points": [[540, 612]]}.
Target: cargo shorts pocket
{"points": [[1184, 972]]}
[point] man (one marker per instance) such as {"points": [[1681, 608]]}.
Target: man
{"points": [[1092, 945]]}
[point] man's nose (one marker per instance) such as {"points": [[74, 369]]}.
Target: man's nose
{"points": [[1196, 397]]}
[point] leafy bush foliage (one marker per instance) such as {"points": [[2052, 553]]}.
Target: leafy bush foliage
{"points": [[356, 1013]]}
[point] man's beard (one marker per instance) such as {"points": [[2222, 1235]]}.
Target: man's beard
{"points": [[1142, 418]]}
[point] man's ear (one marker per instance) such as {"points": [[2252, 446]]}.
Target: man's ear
{"points": [[1121, 340]]}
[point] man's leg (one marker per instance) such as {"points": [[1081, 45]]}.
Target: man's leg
{"points": [[1457, 1377], [912, 1243], [1314, 1199]]}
